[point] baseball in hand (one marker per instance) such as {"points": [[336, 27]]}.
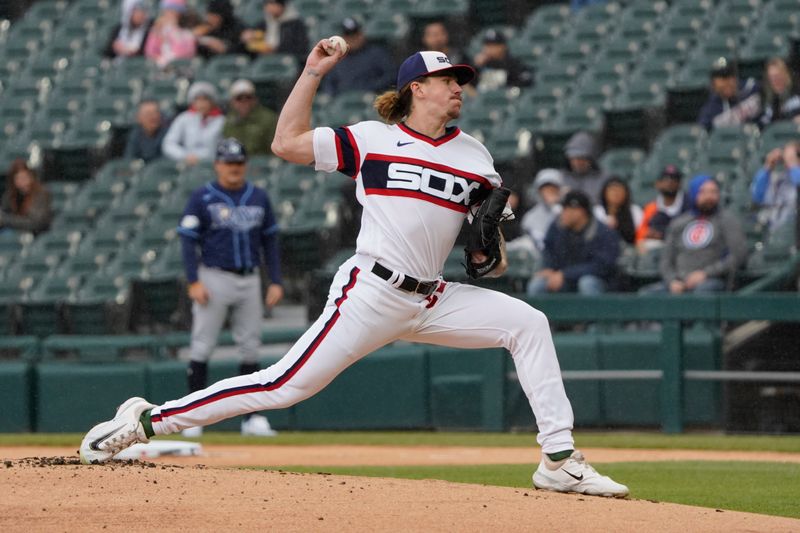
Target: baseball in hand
{"points": [[335, 42]]}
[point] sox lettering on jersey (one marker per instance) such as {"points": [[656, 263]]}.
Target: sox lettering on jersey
{"points": [[434, 183]]}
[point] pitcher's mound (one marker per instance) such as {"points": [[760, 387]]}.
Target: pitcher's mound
{"points": [[55, 494]]}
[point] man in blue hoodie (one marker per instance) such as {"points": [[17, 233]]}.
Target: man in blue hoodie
{"points": [[703, 247], [580, 252]]}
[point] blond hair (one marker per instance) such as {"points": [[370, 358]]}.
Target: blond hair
{"points": [[393, 106]]}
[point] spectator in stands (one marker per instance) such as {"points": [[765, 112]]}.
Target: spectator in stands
{"points": [[670, 202], [580, 254], [219, 32], [436, 37], [366, 67], [732, 101], [144, 140], [781, 99], [168, 40], [617, 211], [774, 187], [584, 173], [703, 247], [129, 36], [249, 121], [497, 67], [25, 205], [547, 197], [193, 135], [281, 32]]}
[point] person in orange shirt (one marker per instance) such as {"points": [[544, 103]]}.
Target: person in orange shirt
{"points": [[670, 202]]}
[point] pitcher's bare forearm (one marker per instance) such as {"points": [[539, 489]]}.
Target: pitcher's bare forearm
{"points": [[293, 134]]}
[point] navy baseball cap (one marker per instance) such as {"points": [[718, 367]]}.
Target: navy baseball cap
{"points": [[230, 150], [426, 63]]}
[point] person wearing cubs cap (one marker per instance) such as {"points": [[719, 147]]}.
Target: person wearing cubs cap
{"points": [[418, 180], [670, 202], [230, 223]]}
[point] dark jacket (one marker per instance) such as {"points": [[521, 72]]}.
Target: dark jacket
{"points": [[593, 251], [746, 101], [109, 52], [368, 69], [293, 38], [142, 146]]}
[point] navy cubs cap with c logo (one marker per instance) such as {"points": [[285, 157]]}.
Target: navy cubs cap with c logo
{"points": [[425, 63]]}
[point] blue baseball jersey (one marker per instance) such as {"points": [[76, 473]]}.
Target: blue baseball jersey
{"points": [[230, 228]]}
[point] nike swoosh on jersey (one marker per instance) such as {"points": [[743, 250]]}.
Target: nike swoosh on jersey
{"points": [[400, 143], [98, 440]]}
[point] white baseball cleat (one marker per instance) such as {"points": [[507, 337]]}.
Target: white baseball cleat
{"points": [[574, 474], [257, 426], [107, 438]]}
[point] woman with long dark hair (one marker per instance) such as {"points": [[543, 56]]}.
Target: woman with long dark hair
{"points": [[617, 211], [26, 203]]}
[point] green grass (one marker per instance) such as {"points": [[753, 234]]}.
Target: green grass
{"points": [[640, 440], [765, 488]]}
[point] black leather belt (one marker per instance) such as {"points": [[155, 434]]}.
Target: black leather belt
{"points": [[409, 284], [239, 271]]}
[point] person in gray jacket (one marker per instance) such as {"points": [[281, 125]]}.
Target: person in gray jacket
{"points": [[584, 174], [547, 192], [703, 247], [193, 135]]}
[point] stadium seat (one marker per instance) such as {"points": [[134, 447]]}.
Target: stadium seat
{"points": [[621, 161], [777, 134]]}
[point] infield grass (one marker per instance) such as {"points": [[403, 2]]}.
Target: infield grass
{"points": [[583, 439], [754, 487]]}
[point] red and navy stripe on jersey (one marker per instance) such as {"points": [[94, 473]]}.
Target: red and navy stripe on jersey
{"points": [[394, 175]]}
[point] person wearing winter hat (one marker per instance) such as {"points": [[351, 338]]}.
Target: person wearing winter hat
{"points": [[580, 253], [168, 40], [248, 120], [546, 193], [703, 247], [583, 173], [193, 135], [130, 35]]}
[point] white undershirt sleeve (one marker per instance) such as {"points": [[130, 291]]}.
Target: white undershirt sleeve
{"points": [[325, 157]]}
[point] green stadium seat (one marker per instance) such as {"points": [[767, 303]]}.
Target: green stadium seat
{"points": [[777, 134], [764, 45], [272, 69], [729, 23], [60, 240], [387, 26], [426, 9], [224, 67], [621, 161]]}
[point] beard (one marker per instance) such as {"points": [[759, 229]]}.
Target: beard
{"points": [[668, 194], [707, 208]]}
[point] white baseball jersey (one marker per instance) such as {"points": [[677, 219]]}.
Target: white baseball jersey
{"points": [[415, 190]]}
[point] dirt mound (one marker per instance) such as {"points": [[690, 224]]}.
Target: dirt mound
{"points": [[55, 493]]}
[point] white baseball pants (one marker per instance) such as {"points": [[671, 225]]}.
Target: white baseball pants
{"points": [[363, 313]]}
